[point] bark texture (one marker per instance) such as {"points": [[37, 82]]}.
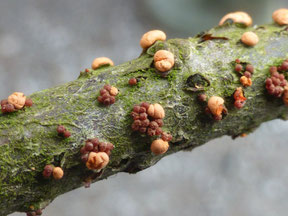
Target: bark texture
{"points": [[29, 141]]}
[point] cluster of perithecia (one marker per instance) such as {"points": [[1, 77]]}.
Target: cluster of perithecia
{"points": [[148, 118]]}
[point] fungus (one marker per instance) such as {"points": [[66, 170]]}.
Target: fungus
{"points": [[247, 74], [166, 137], [101, 61], [17, 99], [250, 38], [132, 81], [276, 83], [94, 145], [238, 67], [113, 91], [66, 134], [150, 37], [245, 81], [97, 161], [47, 171], [159, 146], [28, 102], [156, 111], [237, 17], [148, 118], [163, 60], [216, 107], [280, 16], [107, 95], [249, 68], [243, 135], [239, 98], [62, 131], [58, 173]]}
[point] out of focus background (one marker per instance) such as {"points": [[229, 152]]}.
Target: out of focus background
{"points": [[47, 43]]}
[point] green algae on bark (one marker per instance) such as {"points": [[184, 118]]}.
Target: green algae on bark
{"points": [[29, 140]]}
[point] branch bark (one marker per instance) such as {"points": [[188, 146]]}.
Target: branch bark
{"points": [[29, 141]]}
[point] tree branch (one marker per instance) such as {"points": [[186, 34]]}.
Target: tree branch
{"points": [[29, 141]]}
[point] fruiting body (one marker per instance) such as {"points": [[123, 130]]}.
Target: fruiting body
{"points": [[237, 17], [113, 91], [166, 137], [58, 173], [156, 111], [249, 38], [239, 98], [62, 131], [17, 99], [216, 107], [163, 60], [132, 81], [280, 16], [107, 95], [276, 83], [94, 145], [48, 170], [159, 146], [238, 67], [101, 61], [245, 81], [97, 161], [150, 37], [28, 102]]}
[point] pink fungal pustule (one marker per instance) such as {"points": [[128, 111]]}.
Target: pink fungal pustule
{"points": [[107, 95], [94, 145], [239, 98], [15, 102], [245, 71], [276, 83], [148, 119], [62, 131]]}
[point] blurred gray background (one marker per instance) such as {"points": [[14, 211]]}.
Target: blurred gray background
{"points": [[47, 43]]}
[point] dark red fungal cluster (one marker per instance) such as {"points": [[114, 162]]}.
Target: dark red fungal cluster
{"points": [[34, 213], [62, 131], [239, 98], [105, 96], [6, 107], [94, 145], [146, 124], [246, 71], [284, 66], [276, 82], [48, 170], [133, 81]]}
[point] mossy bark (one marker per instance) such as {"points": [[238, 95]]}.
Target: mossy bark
{"points": [[29, 141]]}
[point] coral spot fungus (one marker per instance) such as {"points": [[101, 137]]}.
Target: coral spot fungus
{"points": [[159, 146], [94, 145], [101, 61], [216, 107], [15, 101], [276, 83], [163, 60], [150, 37], [237, 17], [107, 95], [62, 131], [239, 98]]}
